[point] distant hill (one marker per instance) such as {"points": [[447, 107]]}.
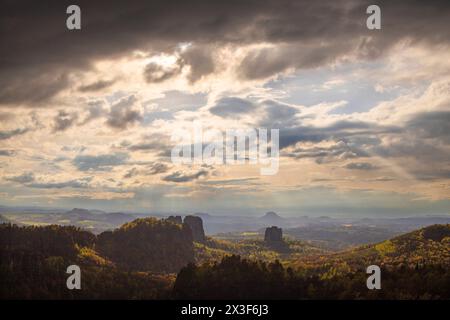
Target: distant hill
{"points": [[426, 246], [80, 214], [204, 216], [272, 218], [118, 218], [339, 237]]}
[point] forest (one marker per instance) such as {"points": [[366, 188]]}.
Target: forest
{"points": [[157, 259]]}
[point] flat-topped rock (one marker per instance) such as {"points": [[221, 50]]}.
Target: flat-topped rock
{"points": [[196, 225], [273, 234]]}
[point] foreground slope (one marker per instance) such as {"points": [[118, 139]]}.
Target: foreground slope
{"points": [[132, 262]]}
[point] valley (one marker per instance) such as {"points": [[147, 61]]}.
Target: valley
{"points": [[171, 258]]}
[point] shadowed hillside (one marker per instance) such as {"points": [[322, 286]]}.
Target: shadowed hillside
{"points": [[148, 245], [33, 260]]}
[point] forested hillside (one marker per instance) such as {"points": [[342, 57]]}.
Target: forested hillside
{"points": [[33, 260], [148, 245], [414, 266], [138, 261]]}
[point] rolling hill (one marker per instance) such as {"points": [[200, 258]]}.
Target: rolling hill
{"points": [[138, 261], [414, 266]]}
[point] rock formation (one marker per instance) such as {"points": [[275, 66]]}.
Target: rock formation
{"points": [[273, 235], [196, 225], [175, 219]]}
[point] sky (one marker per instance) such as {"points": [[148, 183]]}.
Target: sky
{"points": [[86, 116]]}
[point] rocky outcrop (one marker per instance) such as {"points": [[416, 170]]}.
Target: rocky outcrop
{"points": [[273, 235], [175, 219], [196, 225]]}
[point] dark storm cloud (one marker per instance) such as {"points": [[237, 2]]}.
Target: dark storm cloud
{"points": [[6, 134], [31, 87], [179, 176], [100, 162], [232, 107], [40, 52], [95, 86]]}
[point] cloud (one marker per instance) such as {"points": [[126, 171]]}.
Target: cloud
{"points": [[179, 176], [122, 113], [360, 166], [25, 177], [99, 162], [4, 116], [131, 173], [336, 152], [200, 61], [156, 168], [278, 115], [7, 153], [155, 72], [37, 63], [96, 86], [95, 111], [232, 107], [76, 184], [339, 130], [232, 182], [150, 170], [431, 125], [176, 100], [159, 143], [431, 174], [30, 87], [266, 62], [12, 133], [64, 120]]}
